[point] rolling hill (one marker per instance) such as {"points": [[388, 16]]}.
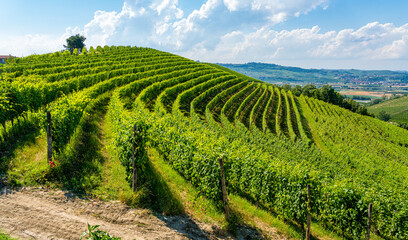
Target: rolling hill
{"points": [[397, 108], [369, 80], [273, 143]]}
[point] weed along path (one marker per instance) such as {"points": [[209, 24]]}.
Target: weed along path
{"points": [[35, 213]]}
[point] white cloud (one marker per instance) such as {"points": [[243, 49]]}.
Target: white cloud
{"points": [[31, 44], [105, 24], [372, 42], [233, 5], [232, 31], [281, 10], [216, 18], [160, 23], [397, 49]]}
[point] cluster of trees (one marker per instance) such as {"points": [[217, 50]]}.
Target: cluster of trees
{"points": [[327, 94], [384, 116], [363, 98], [403, 125]]}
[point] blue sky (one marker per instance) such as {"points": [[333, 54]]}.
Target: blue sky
{"points": [[362, 34]]}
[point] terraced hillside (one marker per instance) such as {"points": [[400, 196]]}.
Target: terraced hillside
{"points": [[273, 143]]}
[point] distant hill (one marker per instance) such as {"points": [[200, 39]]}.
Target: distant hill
{"points": [[371, 80], [397, 108]]}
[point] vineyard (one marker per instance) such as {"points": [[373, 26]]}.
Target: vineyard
{"points": [[397, 108], [273, 143]]}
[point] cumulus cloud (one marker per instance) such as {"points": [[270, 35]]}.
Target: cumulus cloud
{"points": [[373, 41], [21, 46], [396, 50], [161, 23], [104, 25], [242, 31], [234, 31]]}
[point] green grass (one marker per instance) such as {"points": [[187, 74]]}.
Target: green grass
{"points": [[259, 218], [29, 166], [113, 184], [4, 236], [193, 203], [397, 108], [22, 134], [79, 166], [154, 194], [23, 155]]}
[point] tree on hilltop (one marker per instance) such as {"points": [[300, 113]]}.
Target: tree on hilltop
{"points": [[76, 41]]}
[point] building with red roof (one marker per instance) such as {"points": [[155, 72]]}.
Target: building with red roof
{"points": [[3, 58]]}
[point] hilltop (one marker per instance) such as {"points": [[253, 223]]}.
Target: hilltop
{"points": [[179, 119]]}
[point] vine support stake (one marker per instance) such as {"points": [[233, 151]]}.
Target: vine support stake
{"points": [[49, 138], [5, 131], [224, 190], [370, 209], [134, 180], [309, 209]]}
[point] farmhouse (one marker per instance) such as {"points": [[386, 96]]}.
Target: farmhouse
{"points": [[3, 58]]}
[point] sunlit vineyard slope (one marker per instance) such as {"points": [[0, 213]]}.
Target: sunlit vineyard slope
{"points": [[273, 143], [397, 108]]}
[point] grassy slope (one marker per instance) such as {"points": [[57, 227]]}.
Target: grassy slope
{"points": [[397, 108]]}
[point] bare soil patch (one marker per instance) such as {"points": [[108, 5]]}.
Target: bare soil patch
{"points": [[366, 93], [37, 213]]}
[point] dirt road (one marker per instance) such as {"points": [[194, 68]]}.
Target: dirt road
{"points": [[53, 214]]}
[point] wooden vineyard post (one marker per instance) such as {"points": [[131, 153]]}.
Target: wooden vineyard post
{"points": [[224, 190], [49, 138], [370, 208], [134, 180], [309, 209], [5, 131]]}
